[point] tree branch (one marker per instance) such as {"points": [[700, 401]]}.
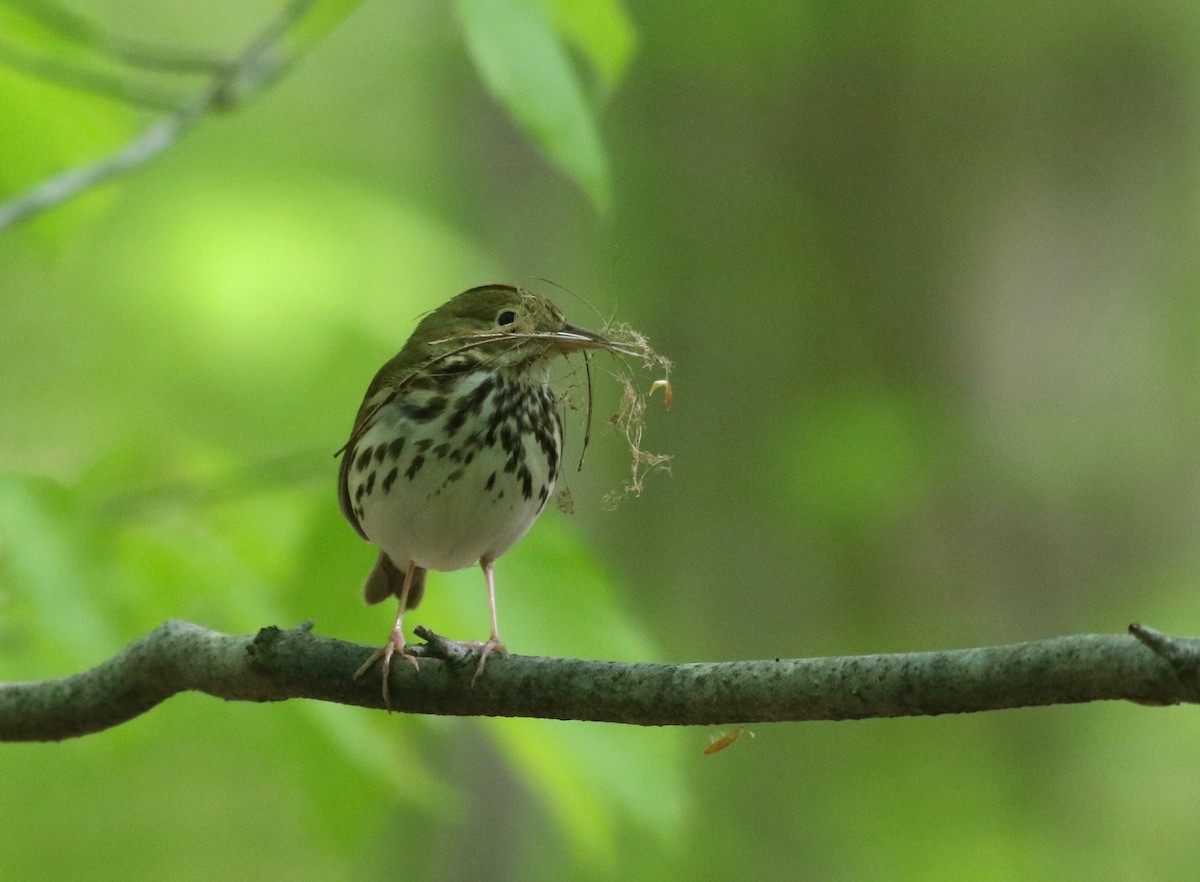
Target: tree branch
{"points": [[274, 665], [255, 67]]}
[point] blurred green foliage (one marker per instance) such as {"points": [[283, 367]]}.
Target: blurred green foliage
{"points": [[927, 271]]}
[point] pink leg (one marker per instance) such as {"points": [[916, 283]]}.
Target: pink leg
{"points": [[494, 643], [395, 641], [490, 578]]}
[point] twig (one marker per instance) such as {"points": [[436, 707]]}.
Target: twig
{"points": [[133, 53], [97, 82], [275, 665]]}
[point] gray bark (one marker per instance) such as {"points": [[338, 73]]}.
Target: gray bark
{"points": [[275, 665]]}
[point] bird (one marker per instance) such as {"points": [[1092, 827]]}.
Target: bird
{"points": [[457, 447]]}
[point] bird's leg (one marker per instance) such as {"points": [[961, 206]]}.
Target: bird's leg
{"points": [[395, 641], [494, 644]]}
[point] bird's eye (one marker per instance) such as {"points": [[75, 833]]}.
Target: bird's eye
{"points": [[506, 317]]}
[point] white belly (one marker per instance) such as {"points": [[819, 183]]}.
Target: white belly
{"points": [[446, 506]]}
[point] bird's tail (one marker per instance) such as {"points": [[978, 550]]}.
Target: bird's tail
{"points": [[387, 580]]}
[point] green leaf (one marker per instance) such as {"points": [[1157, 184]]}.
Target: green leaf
{"points": [[602, 32], [594, 779], [48, 557], [190, 532], [50, 123], [525, 66]]}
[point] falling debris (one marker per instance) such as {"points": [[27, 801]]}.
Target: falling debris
{"points": [[720, 742]]}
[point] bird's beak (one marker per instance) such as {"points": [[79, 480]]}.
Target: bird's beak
{"points": [[573, 339]]}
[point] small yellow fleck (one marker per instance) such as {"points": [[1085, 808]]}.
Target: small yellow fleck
{"points": [[720, 742]]}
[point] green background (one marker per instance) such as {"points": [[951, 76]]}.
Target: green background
{"points": [[928, 272]]}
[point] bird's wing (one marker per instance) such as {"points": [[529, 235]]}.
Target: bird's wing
{"points": [[366, 418]]}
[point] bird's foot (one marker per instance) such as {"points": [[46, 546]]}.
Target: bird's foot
{"points": [[395, 644], [456, 651], [485, 649]]}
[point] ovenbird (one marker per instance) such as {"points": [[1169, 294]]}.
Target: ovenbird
{"points": [[457, 446]]}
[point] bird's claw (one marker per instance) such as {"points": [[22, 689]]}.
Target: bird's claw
{"points": [[394, 645], [451, 650], [485, 650]]}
